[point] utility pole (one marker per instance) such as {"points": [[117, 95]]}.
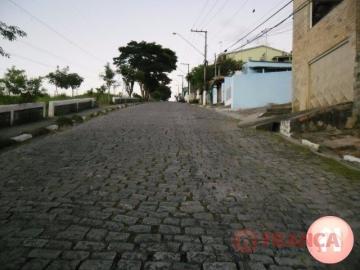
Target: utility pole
{"points": [[205, 63], [188, 79], [215, 63], [182, 84]]}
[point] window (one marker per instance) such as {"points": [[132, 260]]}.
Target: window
{"points": [[320, 8]]}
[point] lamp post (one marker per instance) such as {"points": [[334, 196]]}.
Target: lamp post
{"points": [[188, 79], [205, 63]]}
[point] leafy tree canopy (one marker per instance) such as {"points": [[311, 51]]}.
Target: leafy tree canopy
{"points": [[227, 68], [10, 33], [148, 63], [162, 92], [63, 79], [108, 76], [15, 82]]}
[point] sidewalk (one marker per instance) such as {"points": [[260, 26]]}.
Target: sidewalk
{"points": [[342, 145], [7, 133]]}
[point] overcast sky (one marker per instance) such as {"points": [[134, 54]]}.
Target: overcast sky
{"points": [[85, 34]]}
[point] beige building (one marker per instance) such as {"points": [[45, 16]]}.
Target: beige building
{"points": [[326, 53], [259, 53]]}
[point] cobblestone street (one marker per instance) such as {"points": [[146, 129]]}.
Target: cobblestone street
{"points": [[164, 186]]}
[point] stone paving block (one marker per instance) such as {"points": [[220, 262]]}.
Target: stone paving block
{"points": [[220, 266], [168, 229], [96, 265], [36, 243], [134, 256], [120, 246], [58, 244], [96, 234], [129, 265], [126, 219], [44, 253], [74, 232], [142, 238], [187, 266], [157, 266], [106, 255], [75, 255], [63, 265], [200, 257], [35, 264], [166, 256], [116, 236], [140, 228], [89, 245]]}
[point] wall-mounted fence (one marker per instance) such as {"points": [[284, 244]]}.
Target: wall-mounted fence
{"points": [[62, 107], [17, 114], [121, 100]]}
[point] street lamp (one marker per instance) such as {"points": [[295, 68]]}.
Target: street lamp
{"points": [[188, 42]]}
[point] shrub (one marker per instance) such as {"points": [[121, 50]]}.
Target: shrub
{"points": [[64, 121], [77, 119]]}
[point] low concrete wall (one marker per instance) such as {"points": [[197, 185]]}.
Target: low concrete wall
{"points": [[121, 100], [318, 120], [16, 114], [62, 107]]}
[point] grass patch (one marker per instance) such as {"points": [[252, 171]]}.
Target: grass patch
{"points": [[336, 167], [327, 164]]}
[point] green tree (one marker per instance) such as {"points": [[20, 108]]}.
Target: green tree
{"points": [[10, 33], [101, 90], [108, 77], [74, 81], [59, 78], [162, 92], [129, 76], [14, 81], [150, 62], [33, 90], [63, 79], [226, 66]]}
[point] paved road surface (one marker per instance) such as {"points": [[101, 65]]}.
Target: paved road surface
{"points": [[163, 186]]}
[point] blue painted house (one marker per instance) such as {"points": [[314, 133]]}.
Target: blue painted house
{"points": [[258, 84]]}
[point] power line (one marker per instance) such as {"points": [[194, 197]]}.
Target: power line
{"points": [[209, 12], [231, 18], [261, 24], [216, 13], [32, 60], [264, 32], [201, 12], [54, 30], [50, 53]]}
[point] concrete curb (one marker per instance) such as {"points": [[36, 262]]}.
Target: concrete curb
{"points": [[25, 137]]}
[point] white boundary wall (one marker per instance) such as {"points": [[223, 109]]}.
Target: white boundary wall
{"points": [[21, 107], [53, 104]]}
